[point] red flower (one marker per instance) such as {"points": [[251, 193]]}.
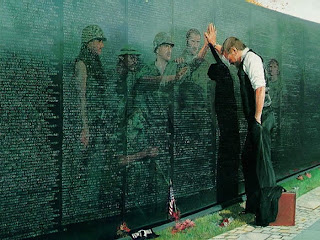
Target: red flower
{"points": [[189, 223], [124, 227], [182, 226], [226, 222]]}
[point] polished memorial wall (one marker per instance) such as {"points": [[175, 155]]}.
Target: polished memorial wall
{"points": [[147, 131]]}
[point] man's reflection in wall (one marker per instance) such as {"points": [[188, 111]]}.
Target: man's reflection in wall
{"points": [[229, 138]]}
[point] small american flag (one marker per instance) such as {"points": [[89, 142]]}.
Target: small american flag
{"points": [[173, 211]]}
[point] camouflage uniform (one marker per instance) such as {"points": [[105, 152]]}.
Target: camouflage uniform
{"points": [[148, 126], [94, 167], [194, 128]]}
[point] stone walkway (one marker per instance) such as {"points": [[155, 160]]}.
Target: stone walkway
{"points": [[307, 223]]}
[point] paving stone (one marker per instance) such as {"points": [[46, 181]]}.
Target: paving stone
{"points": [[287, 238], [285, 234], [217, 237], [311, 202], [253, 236], [249, 228], [275, 230], [232, 237], [276, 227]]}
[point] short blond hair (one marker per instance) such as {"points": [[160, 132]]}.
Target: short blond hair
{"points": [[232, 42]]}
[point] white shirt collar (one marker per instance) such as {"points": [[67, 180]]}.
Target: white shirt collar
{"points": [[244, 53]]}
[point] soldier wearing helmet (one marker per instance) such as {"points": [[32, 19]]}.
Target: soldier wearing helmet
{"points": [[148, 122], [92, 38], [162, 70], [125, 77], [127, 67], [90, 78], [162, 46], [128, 59], [89, 73]]}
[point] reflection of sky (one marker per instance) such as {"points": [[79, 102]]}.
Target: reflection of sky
{"points": [[305, 9]]}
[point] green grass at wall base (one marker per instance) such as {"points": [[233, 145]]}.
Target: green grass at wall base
{"points": [[208, 226]]}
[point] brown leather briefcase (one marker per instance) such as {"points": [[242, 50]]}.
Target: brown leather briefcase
{"points": [[287, 210]]}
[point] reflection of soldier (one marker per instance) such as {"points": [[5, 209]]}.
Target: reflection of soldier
{"points": [[192, 45], [198, 66], [128, 159], [276, 91], [276, 87], [127, 68], [163, 70], [191, 53], [148, 127], [89, 73], [193, 121], [155, 85], [90, 77], [274, 82], [128, 65]]}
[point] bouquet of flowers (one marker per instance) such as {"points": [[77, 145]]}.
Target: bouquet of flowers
{"points": [[180, 226]]}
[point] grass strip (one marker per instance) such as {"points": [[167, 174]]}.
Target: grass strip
{"points": [[208, 226]]}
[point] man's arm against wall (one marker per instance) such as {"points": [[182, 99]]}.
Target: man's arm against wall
{"points": [[259, 95]]}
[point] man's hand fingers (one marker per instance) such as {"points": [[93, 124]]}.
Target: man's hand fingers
{"points": [[211, 28]]}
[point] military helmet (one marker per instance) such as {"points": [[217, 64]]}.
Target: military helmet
{"points": [[92, 32], [128, 50], [161, 38]]}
